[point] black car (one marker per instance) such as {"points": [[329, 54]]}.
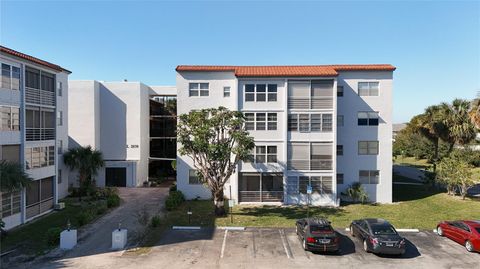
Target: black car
{"points": [[317, 235], [378, 236]]}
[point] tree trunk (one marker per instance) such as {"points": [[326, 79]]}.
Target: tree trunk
{"points": [[218, 200], [435, 158]]}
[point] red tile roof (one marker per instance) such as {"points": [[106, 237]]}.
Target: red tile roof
{"points": [[290, 71], [32, 59]]}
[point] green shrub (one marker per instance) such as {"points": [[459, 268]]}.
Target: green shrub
{"points": [[84, 217], [174, 199], [101, 208], [53, 236], [155, 221], [173, 188], [113, 200]]}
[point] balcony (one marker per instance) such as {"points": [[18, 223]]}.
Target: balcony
{"points": [[261, 196], [38, 134], [39, 97], [310, 103], [314, 165]]}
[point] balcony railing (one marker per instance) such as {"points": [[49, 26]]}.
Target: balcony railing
{"points": [[309, 164], [261, 196], [39, 97], [36, 134], [310, 103]]}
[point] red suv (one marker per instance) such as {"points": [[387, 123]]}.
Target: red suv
{"points": [[465, 232]]}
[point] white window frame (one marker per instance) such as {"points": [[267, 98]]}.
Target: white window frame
{"points": [[370, 147], [297, 116], [60, 118], [268, 92], [11, 126], [198, 89], [10, 70], [370, 88], [14, 203], [266, 155], [41, 153], [59, 146], [372, 177], [270, 125], [226, 91], [193, 177]]}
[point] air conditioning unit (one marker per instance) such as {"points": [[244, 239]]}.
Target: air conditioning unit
{"points": [[59, 206]]}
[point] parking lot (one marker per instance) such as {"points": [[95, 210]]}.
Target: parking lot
{"points": [[280, 248]]}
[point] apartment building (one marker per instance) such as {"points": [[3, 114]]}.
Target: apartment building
{"points": [[324, 126], [129, 123], [33, 132]]}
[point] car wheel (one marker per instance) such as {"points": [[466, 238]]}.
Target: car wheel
{"points": [[365, 246], [351, 231], [304, 244], [469, 246], [439, 231]]}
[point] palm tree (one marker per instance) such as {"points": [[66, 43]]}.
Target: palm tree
{"points": [[457, 119], [431, 125], [475, 112], [13, 177], [87, 161]]}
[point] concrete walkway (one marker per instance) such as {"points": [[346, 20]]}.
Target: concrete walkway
{"points": [[95, 241]]}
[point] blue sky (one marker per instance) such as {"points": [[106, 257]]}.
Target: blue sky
{"points": [[435, 45]]}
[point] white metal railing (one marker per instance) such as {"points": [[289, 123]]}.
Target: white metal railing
{"points": [[298, 103], [310, 103], [309, 164], [322, 103], [35, 134], [39, 97], [261, 196]]}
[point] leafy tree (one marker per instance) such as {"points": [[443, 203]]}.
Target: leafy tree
{"points": [[455, 173], [215, 139], [357, 193], [13, 177], [87, 161], [457, 119], [475, 113]]}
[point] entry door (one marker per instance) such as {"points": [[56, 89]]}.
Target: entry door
{"points": [[116, 176]]}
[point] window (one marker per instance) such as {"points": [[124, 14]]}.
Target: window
{"points": [[292, 185], [369, 176], [60, 146], [260, 121], [263, 154], [250, 121], [339, 120], [272, 92], [226, 91], [39, 197], [293, 122], [339, 178], [59, 88], [271, 154], [319, 184], [198, 89], [315, 94], [38, 157], [9, 118], [327, 122], [10, 153], [339, 150], [193, 177], [339, 91], [32, 78], [321, 156], [304, 122], [59, 118], [10, 77], [272, 121], [315, 122], [368, 88], [260, 92], [367, 118], [11, 203], [59, 176], [367, 147]]}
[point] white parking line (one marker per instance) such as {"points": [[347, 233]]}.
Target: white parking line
{"points": [[282, 236], [224, 243]]}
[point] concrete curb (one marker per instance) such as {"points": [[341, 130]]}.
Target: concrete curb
{"points": [[186, 227], [238, 228], [398, 230]]}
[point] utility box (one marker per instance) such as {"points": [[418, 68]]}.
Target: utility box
{"points": [[68, 239], [119, 238]]}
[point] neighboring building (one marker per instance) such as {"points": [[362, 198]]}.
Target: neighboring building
{"points": [[114, 117], [33, 132], [324, 126]]}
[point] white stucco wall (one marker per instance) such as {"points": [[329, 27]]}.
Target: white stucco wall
{"points": [[349, 105]]}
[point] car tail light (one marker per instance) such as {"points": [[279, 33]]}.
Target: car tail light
{"points": [[373, 240], [310, 240]]}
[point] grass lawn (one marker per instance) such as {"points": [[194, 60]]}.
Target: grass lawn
{"points": [[31, 238], [411, 161], [415, 207]]}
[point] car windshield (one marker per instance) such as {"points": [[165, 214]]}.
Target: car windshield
{"points": [[320, 229], [478, 230], [383, 230]]}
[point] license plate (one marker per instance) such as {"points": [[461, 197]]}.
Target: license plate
{"points": [[389, 245], [324, 241]]}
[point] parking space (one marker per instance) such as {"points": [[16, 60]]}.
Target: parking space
{"points": [[273, 248]]}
